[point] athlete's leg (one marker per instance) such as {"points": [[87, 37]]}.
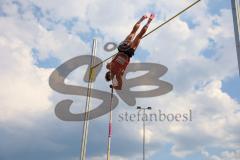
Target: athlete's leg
{"points": [[138, 38], [130, 37]]}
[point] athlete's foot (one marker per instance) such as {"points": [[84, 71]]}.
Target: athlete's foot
{"points": [[152, 16], [143, 18]]}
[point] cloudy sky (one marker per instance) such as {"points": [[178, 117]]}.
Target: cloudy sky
{"points": [[197, 48]]}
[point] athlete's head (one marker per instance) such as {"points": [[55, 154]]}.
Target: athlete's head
{"points": [[108, 76]]}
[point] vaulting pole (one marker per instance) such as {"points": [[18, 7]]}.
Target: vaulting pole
{"points": [[88, 104]]}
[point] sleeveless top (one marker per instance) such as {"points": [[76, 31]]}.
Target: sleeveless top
{"points": [[119, 63]]}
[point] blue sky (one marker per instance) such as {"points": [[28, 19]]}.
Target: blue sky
{"points": [[197, 48]]}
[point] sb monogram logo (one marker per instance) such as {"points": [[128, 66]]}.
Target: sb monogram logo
{"points": [[151, 78]]}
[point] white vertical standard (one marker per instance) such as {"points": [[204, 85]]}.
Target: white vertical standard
{"points": [[236, 23], [88, 100], [110, 127]]}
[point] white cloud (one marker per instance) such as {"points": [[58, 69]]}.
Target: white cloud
{"points": [[214, 125], [25, 92], [64, 10], [225, 155]]}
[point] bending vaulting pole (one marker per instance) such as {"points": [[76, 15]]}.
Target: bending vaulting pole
{"points": [[156, 28], [236, 21], [88, 100]]}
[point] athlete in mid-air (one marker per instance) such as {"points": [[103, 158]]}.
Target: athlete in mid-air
{"points": [[126, 50]]}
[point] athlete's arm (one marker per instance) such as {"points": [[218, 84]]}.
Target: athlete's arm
{"points": [[119, 82]]}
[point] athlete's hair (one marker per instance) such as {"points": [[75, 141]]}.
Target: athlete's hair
{"points": [[108, 76]]}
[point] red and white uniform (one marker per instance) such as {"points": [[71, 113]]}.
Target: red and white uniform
{"points": [[119, 63]]}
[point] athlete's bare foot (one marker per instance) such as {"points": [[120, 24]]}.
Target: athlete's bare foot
{"points": [[152, 16], [143, 18]]}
